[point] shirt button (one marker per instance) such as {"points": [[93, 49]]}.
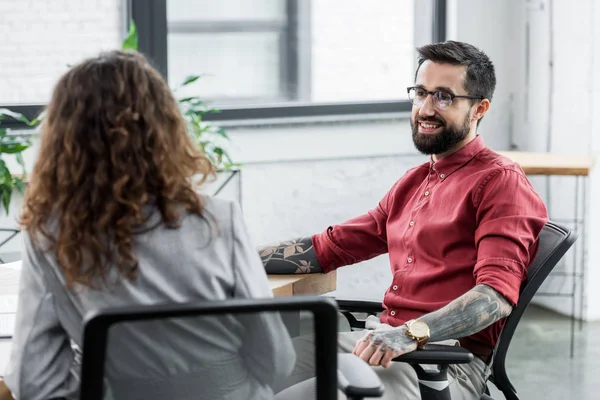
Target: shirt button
{"points": [[409, 260], [392, 313], [395, 287], [427, 193], [442, 176], [411, 223]]}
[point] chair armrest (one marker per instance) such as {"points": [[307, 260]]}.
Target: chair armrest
{"points": [[368, 306], [347, 307], [437, 354], [356, 378]]}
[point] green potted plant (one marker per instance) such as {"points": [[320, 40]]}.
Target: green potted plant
{"points": [[12, 144]]}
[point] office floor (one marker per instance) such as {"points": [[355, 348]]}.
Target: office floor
{"points": [[539, 363]]}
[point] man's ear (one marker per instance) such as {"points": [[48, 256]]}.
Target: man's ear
{"points": [[481, 109]]}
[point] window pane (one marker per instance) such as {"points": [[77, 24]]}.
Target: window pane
{"points": [[225, 10], [41, 39], [236, 65], [361, 51]]}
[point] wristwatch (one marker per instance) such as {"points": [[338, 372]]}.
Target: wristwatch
{"points": [[419, 331]]}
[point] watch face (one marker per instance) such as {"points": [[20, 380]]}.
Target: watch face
{"points": [[419, 329]]}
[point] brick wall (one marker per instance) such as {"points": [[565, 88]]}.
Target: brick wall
{"points": [[39, 39]]}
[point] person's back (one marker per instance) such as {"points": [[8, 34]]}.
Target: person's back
{"points": [[112, 219]]}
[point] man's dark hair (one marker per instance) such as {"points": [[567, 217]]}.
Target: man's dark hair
{"points": [[480, 79]]}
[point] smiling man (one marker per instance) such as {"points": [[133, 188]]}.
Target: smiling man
{"points": [[460, 230]]}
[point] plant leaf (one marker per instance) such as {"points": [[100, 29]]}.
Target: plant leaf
{"points": [[21, 162], [221, 132], [19, 184], [190, 79], [12, 148], [15, 115], [6, 195], [5, 176], [131, 40], [39, 118]]}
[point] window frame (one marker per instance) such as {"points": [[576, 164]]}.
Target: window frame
{"points": [[151, 20]]}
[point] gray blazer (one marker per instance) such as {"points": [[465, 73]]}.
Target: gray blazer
{"points": [[210, 358]]}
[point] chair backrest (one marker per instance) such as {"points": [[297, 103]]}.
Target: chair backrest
{"points": [[554, 241], [101, 331]]}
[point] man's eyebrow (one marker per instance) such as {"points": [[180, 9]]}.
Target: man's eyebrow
{"points": [[445, 89], [442, 88]]}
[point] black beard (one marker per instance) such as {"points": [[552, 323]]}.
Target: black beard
{"points": [[441, 142]]}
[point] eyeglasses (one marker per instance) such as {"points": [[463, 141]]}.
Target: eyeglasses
{"points": [[441, 98]]}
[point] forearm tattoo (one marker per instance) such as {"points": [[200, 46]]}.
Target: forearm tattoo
{"points": [[290, 257], [475, 310], [470, 313]]}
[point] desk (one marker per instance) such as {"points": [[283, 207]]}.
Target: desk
{"points": [[298, 284], [551, 164], [578, 167]]}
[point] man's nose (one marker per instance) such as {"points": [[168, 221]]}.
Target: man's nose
{"points": [[426, 109]]}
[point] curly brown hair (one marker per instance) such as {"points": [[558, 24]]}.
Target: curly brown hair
{"points": [[113, 141]]}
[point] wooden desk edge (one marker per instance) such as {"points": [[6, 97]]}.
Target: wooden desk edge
{"points": [[551, 163], [305, 284]]}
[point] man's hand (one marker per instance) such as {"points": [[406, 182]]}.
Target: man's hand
{"points": [[382, 345]]}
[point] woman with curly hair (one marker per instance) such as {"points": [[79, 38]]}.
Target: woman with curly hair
{"points": [[113, 217]]}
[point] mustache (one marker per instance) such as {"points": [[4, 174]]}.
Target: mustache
{"points": [[431, 119]]}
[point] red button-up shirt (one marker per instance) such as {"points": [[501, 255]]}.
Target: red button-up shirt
{"points": [[471, 218]]}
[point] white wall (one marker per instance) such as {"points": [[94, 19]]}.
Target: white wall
{"points": [[497, 28], [565, 77], [556, 103]]}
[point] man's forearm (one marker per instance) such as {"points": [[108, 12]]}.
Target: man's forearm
{"points": [[290, 257], [473, 311], [470, 313]]}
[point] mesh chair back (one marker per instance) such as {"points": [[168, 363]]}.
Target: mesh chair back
{"points": [[229, 349], [554, 241]]}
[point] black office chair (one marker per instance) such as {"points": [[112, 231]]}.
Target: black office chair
{"points": [[346, 372], [555, 240]]}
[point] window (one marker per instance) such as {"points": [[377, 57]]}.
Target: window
{"points": [[240, 47], [290, 57], [274, 51], [260, 58]]}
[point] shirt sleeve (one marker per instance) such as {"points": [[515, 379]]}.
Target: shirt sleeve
{"points": [[510, 216], [358, 239], [41, 361], [267, 348]]}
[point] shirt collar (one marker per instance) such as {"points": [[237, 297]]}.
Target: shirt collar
{"points": [[459, 158]]}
